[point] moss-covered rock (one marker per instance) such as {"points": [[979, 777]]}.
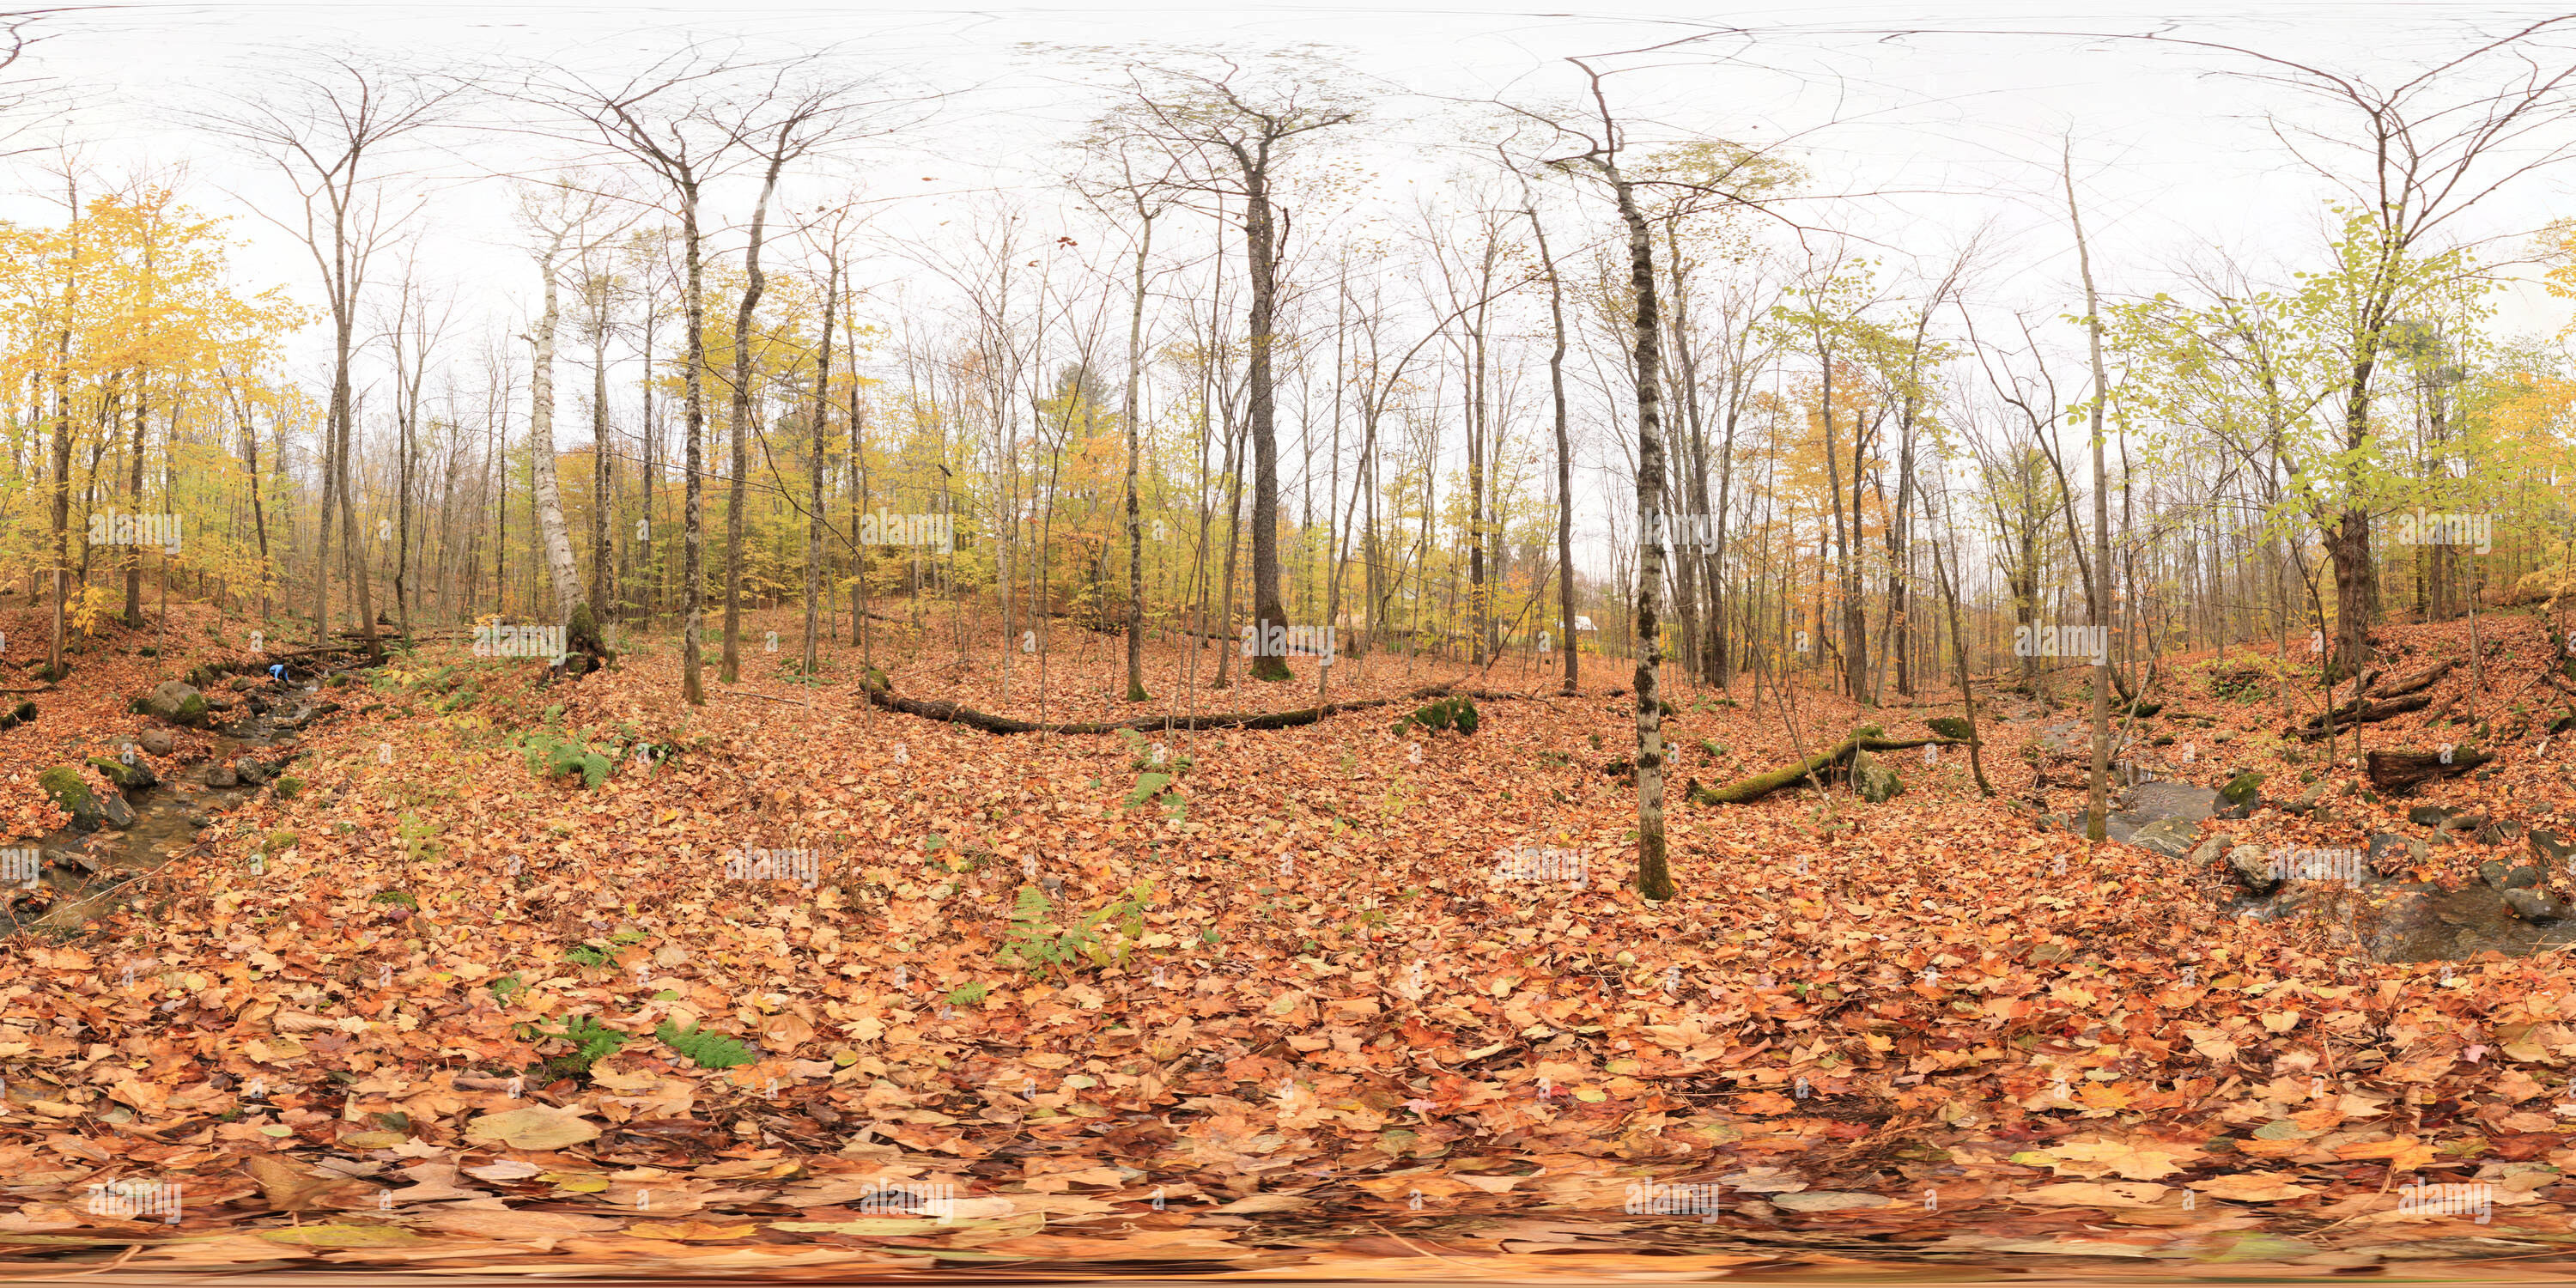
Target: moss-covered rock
{"points": [[69, 790], [289, 787], [1872, 780], [2241, 794], [132, 778], [177, 702], [1950, 727]]}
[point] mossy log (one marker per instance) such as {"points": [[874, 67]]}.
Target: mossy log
{"points": [[1865, 738], [880, 691]]}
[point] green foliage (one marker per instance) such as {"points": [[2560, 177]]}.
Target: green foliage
{"points": [[550, 753], [707, 1050], [1035, 944], [1457, 713], [591, 1041], [289, 787], [398, 898], [508, 986], [414, 833], [586, 955], [967, 994]]}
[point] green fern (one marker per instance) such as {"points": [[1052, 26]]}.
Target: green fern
{"points": [[549, 754], [709, 1050], [591, 1042]]}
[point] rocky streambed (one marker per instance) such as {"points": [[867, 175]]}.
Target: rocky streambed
{"points": [[2511, 908], [117, 839]]}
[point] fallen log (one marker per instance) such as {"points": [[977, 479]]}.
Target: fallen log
{"points": [[1866, 738], [2363, 711], [879, 692], [2399, 773], [2415, 683]]}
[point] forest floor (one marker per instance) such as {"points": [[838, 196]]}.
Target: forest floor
{"points": [[497, 975]]}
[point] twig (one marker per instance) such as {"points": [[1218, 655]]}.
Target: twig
{"points": [[121, 1259]]}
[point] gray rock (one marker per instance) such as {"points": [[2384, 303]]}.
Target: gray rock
{"points": [[157, 741], [2309, 799], [115, 811], [2170, 837], [2493, 872], [2525, 877], [250, 772], [2427, 815], [2209, 850], [2536, 905], [2252, 869], [221, 775], [1872, 779], [177, 703], [2548, 849]]}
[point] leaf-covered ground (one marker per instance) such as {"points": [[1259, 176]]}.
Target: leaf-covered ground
{"points": [[1326, 1001]]}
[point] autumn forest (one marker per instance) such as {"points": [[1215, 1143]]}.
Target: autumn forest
{"points": [[751, 655]]}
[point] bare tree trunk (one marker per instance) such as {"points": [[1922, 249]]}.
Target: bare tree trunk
{"points": [[2098, 810], [1564, 456], [1270, 620], [1654, 879], [693, 541], [1135, 528], [814, 514], [561, 574], [754, 285]]}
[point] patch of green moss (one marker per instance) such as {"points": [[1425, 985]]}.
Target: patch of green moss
{"points": [[63, 783], [289, 787], [118, 772]]}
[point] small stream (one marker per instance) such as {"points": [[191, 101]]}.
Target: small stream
{"points": [[88, 873], [2381, 918]]}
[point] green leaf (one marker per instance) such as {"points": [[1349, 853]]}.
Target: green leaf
{"points": [[708, 1050]]}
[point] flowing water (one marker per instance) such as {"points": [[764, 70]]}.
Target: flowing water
{"points": [[90, 873]]}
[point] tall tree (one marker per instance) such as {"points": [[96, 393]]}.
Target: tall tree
{"points": [[333, 129], [1238, 130]]}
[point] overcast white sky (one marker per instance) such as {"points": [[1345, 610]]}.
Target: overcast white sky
{"points": [[1958, 124], [1952, 126]]}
